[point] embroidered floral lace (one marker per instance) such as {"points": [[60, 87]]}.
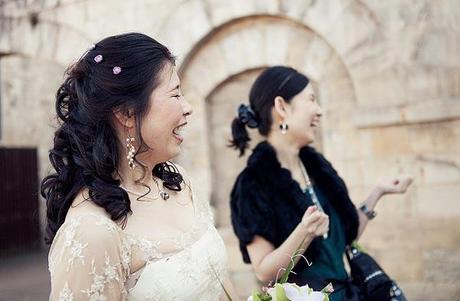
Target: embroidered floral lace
{"points": [[92, 258]]}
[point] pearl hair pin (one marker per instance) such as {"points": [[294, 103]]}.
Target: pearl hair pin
{"points": [[98, 58], [116, 70]]}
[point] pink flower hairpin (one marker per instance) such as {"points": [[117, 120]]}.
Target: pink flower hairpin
{"points": [[116, 70], [98, 58]]}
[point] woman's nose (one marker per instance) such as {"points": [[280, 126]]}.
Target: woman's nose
{"points": [[187, 108], [319, 112]]}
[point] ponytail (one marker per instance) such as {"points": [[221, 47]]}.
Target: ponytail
{"points": [[246, 117], [240, 140]]}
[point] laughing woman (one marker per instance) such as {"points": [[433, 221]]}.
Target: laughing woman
{"points": [[122, 219], [289, 195]]}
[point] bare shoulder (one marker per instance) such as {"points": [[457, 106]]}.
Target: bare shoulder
{"points": [[83, 205]]}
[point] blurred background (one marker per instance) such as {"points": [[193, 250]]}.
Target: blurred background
{"points": [[387, 74]]}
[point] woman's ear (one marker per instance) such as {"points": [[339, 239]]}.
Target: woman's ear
{"points": [[126, 118], [280, 107]]}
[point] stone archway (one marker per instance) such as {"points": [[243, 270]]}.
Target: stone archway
{"points": [[228, 58], [210, 45], [216, 77]]}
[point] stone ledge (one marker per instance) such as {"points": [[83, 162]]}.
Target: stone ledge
{"points": [[430, 111]]}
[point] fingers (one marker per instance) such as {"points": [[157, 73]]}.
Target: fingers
{"points": [[323, 227], [399, 184], [317, 222], [311, 209], [404, 183], [315, 217], [310, 213], [407, 181]]}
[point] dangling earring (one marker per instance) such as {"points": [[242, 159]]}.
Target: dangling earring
{"points": [[284, 127], [131, 151]]}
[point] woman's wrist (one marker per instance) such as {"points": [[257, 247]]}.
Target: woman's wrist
{"points": [[369, 213], [374, 197], [378, 191]]}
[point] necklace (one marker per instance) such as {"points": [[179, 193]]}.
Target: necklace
{"points": [[161, 193], [309, 189]]}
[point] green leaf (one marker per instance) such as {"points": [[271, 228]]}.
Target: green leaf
{"points": [[357, 246], [290, 266], [265, 297], [255, 296], [258, 296], [280, 294]]}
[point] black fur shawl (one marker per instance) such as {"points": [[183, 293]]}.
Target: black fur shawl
{"points": [[268, 202]]}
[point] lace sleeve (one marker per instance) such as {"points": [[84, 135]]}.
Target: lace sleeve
{"points": [[205, 210], [86, 260]]}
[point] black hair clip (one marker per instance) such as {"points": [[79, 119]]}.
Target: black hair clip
{"points": [[247, 116]]}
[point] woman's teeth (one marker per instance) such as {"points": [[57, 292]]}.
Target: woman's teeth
{"points": [[178, 130]]}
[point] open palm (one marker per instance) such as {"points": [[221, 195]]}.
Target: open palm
{"points": [[398, 184]]}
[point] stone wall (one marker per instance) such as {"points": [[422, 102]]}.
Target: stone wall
{"points": [[387, 75]]}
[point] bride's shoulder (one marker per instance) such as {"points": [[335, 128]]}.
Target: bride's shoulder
{"points": [[83, 205], [87, 243], [88, 219]]}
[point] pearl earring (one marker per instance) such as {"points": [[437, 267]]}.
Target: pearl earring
{"points": [[284, 127]]}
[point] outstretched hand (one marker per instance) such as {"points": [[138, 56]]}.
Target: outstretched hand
{"points": [[398, 184]]}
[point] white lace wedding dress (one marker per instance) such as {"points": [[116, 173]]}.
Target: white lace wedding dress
{"points": [[92, 258]]}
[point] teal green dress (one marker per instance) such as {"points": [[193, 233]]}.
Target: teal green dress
{"points": [[329, 263]]}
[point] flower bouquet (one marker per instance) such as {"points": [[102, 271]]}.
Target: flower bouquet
{"points": [[284, 291], [291, 292]]}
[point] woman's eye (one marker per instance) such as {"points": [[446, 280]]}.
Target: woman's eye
{"points": [[177, 96]]}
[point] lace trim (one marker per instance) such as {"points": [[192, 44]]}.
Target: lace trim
{"points": [[101, 280], [202, 270], [66, 294], [149, 249]]}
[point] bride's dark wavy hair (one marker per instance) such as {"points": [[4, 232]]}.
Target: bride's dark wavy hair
{"points": [[86, 148]]}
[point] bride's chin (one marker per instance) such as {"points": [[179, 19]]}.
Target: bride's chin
{"points": [[174, 151]]}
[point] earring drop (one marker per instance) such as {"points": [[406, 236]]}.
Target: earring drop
{"points": [[164, 195], [131, 151], [284, 127]]}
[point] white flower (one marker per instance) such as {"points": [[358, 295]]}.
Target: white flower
{"points": [[295, 293], [315, 296], [250, 298]]}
